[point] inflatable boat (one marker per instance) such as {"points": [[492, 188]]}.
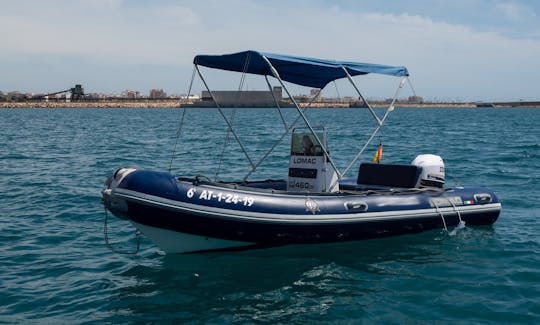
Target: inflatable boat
{"points": [[315, 203]]}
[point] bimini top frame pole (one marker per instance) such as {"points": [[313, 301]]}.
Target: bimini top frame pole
{"points": [[380, 122], [278, 141], [304, 71], [323, 146], [230, 128], [229, 125]]}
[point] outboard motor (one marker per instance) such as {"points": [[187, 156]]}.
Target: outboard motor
{"points": [[432, 170]]}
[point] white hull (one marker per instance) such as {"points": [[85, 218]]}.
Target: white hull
{"points": [[177, 242]]}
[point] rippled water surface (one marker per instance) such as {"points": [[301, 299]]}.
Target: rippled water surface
{"points": [[55, 266]]}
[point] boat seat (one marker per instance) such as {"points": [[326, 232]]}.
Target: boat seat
{"points": [[404, 176]]}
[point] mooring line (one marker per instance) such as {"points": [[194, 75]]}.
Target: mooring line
{"points": [[440, 213], [110, 246]]}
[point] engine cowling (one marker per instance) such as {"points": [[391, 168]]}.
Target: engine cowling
{"points": [[432, 170]]}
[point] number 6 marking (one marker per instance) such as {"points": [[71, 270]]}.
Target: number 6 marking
{"points": [[190, 193]]}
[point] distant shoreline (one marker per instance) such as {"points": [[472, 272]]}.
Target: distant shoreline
{"points": [[95, 104], [176, 104]]}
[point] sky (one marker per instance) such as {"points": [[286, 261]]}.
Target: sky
{"points": [[455, 50]]}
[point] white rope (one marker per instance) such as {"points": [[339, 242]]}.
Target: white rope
{"points": [[110, 245], [275, 101], [233, 115], [461, 222], [229, 125], [227, 137], [441, 214], [180, 125], [337, 90]]}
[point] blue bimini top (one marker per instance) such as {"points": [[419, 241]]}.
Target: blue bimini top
{"points": [[309, 72]]}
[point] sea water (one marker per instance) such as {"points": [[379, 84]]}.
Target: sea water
{"points": [[56, 268]]}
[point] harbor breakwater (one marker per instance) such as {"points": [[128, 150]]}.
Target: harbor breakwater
{"points": [[177, 104], [94, 104]]}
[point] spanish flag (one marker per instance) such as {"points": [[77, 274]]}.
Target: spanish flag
{"points": [[378, 154]]}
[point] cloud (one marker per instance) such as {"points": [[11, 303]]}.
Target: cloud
{"points": [[446, 59], [98, 31], [99, 4], [514, 11]]}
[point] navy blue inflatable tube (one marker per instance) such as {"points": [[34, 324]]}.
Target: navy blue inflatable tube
{"points": [[270, 216]]}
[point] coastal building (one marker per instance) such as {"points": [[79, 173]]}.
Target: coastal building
{"points": [[248, 98], [131, 94], [415, 100], [157, 94]]}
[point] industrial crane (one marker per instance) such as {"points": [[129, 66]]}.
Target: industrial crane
{"points": [[77, 93]]}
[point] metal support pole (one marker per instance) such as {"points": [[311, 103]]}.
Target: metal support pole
{"points": [[323, 146], [229, 125], [279, 140], [388, 110], [362, 150], [379, 122]]}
